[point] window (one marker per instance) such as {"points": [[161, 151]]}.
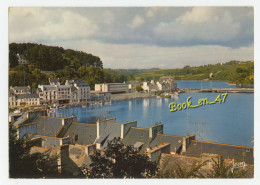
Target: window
{"points": [[248, 150], [76, 137]]}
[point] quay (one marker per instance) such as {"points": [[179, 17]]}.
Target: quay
{"points": [[229, 90]]}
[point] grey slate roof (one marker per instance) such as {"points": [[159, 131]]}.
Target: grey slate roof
{"points": [[175, 141], [80, 83], [109, 132], [22, 96], [48, 126], [135, 135], [87, 133], [240, 153]]}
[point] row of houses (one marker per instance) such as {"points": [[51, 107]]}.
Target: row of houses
{"points": [[76, 141], [165, 84], [73, 91]]}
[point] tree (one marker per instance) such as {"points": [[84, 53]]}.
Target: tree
{"points": [[121, 161], [139, 88], [222, 170], [23, 164], [241, 74], [178, 171]]}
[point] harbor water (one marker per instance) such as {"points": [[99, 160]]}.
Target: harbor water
{"points": [[230, 122]]}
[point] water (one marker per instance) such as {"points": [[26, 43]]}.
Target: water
{"points": [[230, 122]]}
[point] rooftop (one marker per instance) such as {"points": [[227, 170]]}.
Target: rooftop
{"points": [[241, 153]]}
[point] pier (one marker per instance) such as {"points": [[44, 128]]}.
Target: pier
{"points": [[229, 90]]}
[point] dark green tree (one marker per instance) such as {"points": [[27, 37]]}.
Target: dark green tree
{"points": [[139, 88], [23, 164], [121, 161]]}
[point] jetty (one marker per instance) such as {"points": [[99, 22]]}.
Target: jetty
{"points": [[220, 90]]}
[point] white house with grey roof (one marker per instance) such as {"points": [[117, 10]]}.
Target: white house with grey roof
{"points": [[54, 92], [21, 59], [80, 91], [22, 96], [165, 84], [73, 91]]}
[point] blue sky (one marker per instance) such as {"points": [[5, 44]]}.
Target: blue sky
{"points": [[146, 37]]}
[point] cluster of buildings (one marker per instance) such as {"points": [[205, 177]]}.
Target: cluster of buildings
{"points": [[165, 84], [78, 91], [76, 141], [73, 91]]}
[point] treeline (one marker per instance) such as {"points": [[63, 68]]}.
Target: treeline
{"points": [[239, 72], [45, 62]]}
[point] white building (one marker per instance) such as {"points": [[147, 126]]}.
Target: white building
{"points": [[22, 99], [80, 91], [54, 92], [150, 86], [167, 84], [21, 89], [21, 59], [112, 87], [98, 95]]}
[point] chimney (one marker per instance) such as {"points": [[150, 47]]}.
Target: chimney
{"points": [[186, 142], [98, 128], [154, 130]]}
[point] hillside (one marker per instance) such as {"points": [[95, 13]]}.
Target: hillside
{"points": [[238, 72], [43, 62]]}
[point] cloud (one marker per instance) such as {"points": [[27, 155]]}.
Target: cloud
{"points": [[123, 56], [164, 37], [27, 24], [207, 25], [136, 22], [108, 17], [152, 11]]}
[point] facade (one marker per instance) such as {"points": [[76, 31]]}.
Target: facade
{"points": [[74, 91], [21, 89], [112, 87], [132, 85], [167, 84], [80, 91], [150, 86], [22, 96], [100, 96]]}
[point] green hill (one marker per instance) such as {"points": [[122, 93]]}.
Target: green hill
{"points": [[45, 62], [238, 72]]}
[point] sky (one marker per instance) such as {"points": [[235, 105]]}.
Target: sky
{"points": [[141, 38]]}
